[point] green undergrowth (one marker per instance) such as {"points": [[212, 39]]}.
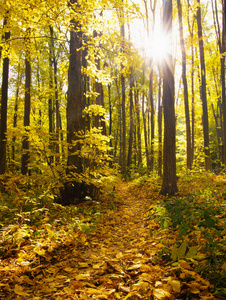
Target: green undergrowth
{"points": [[194, 226]]}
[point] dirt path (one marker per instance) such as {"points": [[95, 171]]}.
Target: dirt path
{"points": [[108, 263], [116, 261]]}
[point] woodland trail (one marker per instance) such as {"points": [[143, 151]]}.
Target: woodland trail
{"points": [[117, 260]]}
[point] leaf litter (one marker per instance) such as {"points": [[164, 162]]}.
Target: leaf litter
{"points": [[119, 259]]}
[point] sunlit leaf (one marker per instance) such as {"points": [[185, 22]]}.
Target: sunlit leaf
{"points": [[19, 291]]}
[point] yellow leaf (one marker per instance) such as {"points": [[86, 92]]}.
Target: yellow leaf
{"points": [[129, 295], [119, 255], [19, 290], [134, 267], [161, 294], [223, 267], [93, 291], [185, 265], [175, 285], [145, 268], [83, 265], [81, 276], [194, 287], [97, 266]]}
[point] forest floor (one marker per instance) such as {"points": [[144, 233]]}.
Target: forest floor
{"points": [[122, 254]]}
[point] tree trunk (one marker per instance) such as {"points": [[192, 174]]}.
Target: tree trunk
{"points": [[27, 109], [56, 94], [203, 92], [130, 148], [75, 121], [123, 162], [110, 122], [16, 112], [169, 184], [186, 104], [4, 101], [218, 131], [50, 105], [145, 122], [152, 118], [159, 128], [137, 105], [223, 76]]}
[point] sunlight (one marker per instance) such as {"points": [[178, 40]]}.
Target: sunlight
{"points": [[159, 47], [156, 47]]}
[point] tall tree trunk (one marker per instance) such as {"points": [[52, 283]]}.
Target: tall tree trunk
{"points": [[16, 112], [192, 103], [218, 131], [75, 121], [159, 127], [191, 32], [110, 122], [50, 105], [130, 148], [223, 76], [123, 85], [27, 109], [169, 184], [145, 121], [56, 94], [186, 105], [137, 105], [100, 95], [203, 92], [4, 101], [152, 118]]}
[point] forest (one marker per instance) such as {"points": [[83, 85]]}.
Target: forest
{"points": [[112, 149]]}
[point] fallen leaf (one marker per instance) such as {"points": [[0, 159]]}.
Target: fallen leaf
{"points": [[83, 265], [19, 290], [185, 265], [93, 291], [161, 294], [223, 267], [175, 285], [194, 287]]}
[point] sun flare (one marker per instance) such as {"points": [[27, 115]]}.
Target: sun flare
{"points": [[159, 47]]}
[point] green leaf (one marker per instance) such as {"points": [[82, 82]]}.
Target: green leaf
{"points": [[182, 250], [174, 252], [166, 224], [192, 252]]}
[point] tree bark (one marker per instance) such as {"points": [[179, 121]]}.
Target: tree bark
{"points": [[223, 76], [203, 91], [75, 121], [152, 118], [56, 94], [138, 127], [145, 121], [159, 127], [169, 184], [186, 104], [27, 109], [123, 87], [15, 116], [131, 130], [4, 101]]}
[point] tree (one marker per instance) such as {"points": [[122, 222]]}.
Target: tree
{"points": [[27, 109], [4, 100], [186, 105], [169, 184], [203, 91], [75, 120], [123, 89], [223, 74]]}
